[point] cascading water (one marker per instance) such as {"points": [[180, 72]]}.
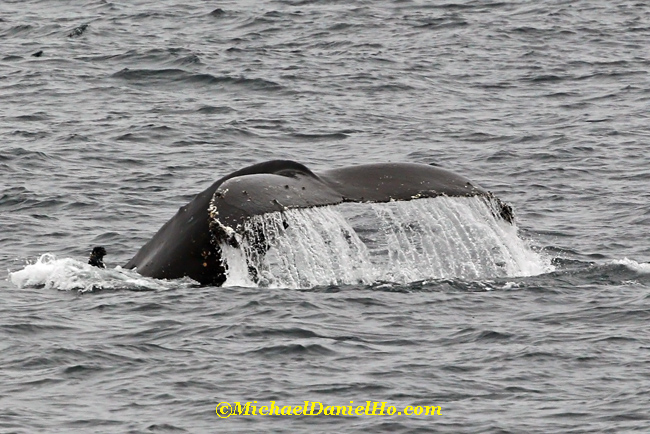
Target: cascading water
{"points": [[406, 241]]}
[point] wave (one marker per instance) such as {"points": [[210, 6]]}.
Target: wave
{"points": [[174, 75], [643, 267]]}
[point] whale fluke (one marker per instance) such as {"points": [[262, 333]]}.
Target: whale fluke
{"points": [[189, 243]]}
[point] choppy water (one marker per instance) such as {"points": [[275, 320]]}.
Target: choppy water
{"points": [[118, 123]]}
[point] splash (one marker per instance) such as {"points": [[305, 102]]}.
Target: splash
{"points": [[639, 267], [68, 274], [399, 242]]}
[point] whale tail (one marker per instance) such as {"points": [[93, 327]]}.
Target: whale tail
{"points": [[189, 244]]}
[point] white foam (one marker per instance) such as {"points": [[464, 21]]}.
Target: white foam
{"points": [[398, 242], [68, 274], [643, 267]]}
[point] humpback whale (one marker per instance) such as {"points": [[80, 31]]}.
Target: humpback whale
{"points": [[189, 243]]}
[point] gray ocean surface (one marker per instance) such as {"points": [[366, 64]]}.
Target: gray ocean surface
{"points": [[113, 114]]}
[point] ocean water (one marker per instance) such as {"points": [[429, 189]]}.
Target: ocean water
{"points": [[113, 114]]}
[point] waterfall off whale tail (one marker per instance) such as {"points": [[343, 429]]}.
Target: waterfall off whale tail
{"points": [[398, 242], [250, 213]]}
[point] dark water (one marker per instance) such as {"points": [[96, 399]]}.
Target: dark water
{"points": [[134, 107]]}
